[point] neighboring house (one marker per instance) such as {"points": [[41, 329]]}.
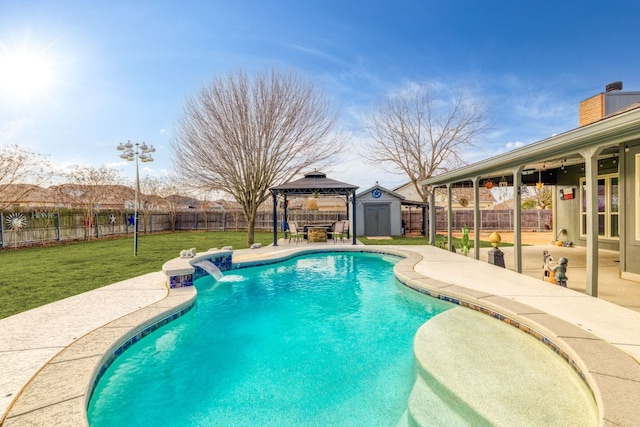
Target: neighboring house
{"points": [[321, 204], [332, 204], [27, 196], [595, 171], [184, 203], [462, 197], [116, 197], [103, 196], [408, 191]]}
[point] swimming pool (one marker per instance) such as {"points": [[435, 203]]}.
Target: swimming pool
{"points": [[315, 340]]}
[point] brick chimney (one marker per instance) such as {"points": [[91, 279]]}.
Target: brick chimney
{"points": [[608, 102], [591, 109]]}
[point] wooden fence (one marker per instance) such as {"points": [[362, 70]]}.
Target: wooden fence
{"points": [[44, 228]]}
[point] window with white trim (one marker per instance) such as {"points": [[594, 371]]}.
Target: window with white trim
{"points": [[608, 209]]}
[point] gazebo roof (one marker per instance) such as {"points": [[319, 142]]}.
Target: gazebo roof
{"points": [[314, 182]]}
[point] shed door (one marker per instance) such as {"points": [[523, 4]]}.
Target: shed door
{"points": [[377, 220]]}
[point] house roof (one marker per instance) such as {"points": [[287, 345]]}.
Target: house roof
{"points": [[24, 192], [564, 149], [315, 182]]}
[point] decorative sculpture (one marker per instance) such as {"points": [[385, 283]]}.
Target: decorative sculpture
{"points": [[496, 256], [188, 253], [16, 222], [554, 273], [560, 270]]}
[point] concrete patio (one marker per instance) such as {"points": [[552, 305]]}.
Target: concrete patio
{"points": [[49, 355]]}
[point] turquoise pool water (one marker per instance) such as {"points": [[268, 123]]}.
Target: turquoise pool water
{"points": [[316, 340]]}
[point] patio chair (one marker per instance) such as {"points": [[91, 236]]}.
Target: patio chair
{"points": [[338, 231], [345, 230], [294, 233]]}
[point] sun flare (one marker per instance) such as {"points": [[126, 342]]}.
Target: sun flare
{"points": [[23, 74]]}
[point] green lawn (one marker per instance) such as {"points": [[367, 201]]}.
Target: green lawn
{"points": [[36, 276]]}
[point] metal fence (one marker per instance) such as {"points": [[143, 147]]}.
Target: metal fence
{"points": [[41, 228]]}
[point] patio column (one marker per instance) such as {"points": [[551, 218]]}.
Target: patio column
{"points": [[449, 217], [476, 217], [517, 218], [591, 175], [432, 217]]}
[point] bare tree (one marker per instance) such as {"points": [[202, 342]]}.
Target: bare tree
{"points": [[207, 205], [21, 171], [242, 135], [149, 199], [416, 134], [90, 189], [169, 190], [538, 197]]}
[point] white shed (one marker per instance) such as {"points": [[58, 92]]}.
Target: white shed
{"points": [[379, 212]]}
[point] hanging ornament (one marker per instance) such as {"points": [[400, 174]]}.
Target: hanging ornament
{"points": [[462, 196], [540, 184], [489, 184]]}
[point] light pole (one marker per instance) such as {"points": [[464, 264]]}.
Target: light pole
{"points": [[141, 152]]}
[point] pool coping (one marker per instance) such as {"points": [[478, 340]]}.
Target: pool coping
{"points": [[612, 375], [60, 391]]}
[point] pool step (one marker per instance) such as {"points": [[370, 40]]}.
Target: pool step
{"points": [[485, 372], [426, 408]]}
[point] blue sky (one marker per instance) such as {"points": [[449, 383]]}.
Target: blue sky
{"points": [[121, 70]]}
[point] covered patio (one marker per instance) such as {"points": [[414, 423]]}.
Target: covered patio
{"points": [[594, 173], [314, 183]]}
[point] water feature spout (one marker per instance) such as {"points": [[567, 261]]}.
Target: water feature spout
{"points": [[210, 268]]}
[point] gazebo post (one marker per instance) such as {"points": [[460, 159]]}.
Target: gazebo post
{"points": [[353, 217], [286, 211], [275, 218]]}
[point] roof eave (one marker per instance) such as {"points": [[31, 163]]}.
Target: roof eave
{"points": [[610, 131]]}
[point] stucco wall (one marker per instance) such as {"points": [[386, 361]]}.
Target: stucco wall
{"points": [[630, 250], [568, 212]]}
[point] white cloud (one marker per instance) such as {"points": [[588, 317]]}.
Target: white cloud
{"points": [[514, 145]]}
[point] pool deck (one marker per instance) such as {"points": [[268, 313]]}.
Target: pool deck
{"points": [[49, 355]]}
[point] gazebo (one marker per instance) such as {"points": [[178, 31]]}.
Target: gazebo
{"points": [[313, 183]]}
